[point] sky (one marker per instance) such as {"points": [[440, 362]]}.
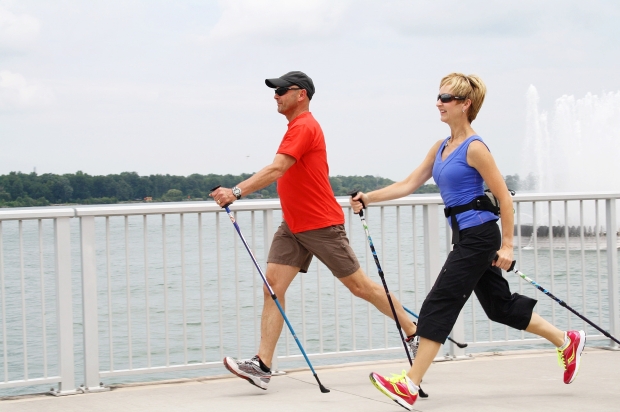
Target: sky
{"points": [[177, 87]]}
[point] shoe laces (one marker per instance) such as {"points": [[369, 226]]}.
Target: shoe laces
{"points": [[398, 378], [561, 360]]}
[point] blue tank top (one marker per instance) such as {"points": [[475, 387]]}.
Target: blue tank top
{"points": [[459, 184]]}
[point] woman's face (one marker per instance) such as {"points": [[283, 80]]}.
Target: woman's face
{"points": [[452, 111]]}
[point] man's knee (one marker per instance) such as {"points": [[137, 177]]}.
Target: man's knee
{"points": [[266, 292], [359, 291], [360, 285], [279, 278], [277, 286]]}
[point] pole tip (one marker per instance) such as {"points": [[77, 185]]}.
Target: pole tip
{"points": [[323, 388]]}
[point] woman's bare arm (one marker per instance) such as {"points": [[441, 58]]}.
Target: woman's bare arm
{"points": [[479, 157], [403, 188]]}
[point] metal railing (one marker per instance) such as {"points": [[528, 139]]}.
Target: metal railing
{"points": [[168, 287], [25, 316]]}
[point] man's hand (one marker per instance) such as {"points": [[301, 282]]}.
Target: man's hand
{"points": [[223, 196]]}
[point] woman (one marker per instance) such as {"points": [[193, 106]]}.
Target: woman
{"points": [[459, 165]]}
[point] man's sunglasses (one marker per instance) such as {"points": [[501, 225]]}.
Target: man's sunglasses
{"points": [[447, 98], [281, 91]]}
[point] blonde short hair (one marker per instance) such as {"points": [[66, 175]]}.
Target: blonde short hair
{"points": [[469, 86]]}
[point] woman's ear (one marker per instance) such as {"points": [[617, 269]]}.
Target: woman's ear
{"points": [[466, 105]]}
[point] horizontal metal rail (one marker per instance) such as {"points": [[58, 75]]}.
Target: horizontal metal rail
{"points": [[167, 289]]}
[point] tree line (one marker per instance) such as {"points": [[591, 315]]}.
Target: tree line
{"points": [[31, 189]]}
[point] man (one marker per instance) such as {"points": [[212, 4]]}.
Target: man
{"points": [[313, 224]]}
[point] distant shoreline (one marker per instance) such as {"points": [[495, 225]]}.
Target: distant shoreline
{"points": [[26, 190]]}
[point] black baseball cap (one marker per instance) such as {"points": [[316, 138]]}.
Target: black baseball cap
{"points": [[297, 78]]}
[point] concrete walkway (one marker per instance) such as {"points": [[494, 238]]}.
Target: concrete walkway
{"points": [[509, 381]]}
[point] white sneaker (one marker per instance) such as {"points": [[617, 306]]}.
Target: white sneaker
{"points": [[248, 369], [413, 343]]}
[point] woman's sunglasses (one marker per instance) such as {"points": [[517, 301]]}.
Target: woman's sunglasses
{"points": [[447, 98], [281, 91]]}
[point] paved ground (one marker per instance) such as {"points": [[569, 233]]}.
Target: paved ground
{"points": [[515, 381]]}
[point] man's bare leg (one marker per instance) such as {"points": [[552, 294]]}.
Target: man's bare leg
{"points": [[364, 288], [279, 278]]}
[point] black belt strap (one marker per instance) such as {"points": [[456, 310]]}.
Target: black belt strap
{"points": [[479, 203]]}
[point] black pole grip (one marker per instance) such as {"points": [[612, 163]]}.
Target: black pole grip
{"points": [[361, 212], [217, 187], [353, 194], [511, 268]]}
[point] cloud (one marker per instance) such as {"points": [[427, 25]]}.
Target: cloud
{"points": [[278, 19], [17, 31], [17, 93], [456, 18]]}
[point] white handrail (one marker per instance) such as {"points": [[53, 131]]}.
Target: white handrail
{"points": [[146, 259]]}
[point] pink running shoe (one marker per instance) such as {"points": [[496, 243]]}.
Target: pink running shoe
{"points": [[570, 356], [395, 388]]}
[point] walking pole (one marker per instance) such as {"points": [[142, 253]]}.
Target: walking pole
{"points": [[385, 286], [415, 315], [560, 301], [273, 295]]}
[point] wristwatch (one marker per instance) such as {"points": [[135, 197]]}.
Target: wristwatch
{"points": [[237, 192]]}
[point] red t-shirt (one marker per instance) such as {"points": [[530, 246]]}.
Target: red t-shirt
{"points": [[306, 196]]}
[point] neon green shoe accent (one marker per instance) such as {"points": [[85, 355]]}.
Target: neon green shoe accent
{"points": [[398, 379], [561, 361]]}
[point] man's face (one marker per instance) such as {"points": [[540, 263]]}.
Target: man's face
{"points": [[289, 101]]}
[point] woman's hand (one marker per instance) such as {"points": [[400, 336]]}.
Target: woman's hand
{"points": [[358, 202], [504, 258]]}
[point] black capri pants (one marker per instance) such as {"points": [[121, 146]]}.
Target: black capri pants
{"points": [[468, 268]]}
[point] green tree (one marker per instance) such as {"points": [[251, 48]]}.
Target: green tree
{"points": [[172, 195], [61, 189], [13, 185], [428, 188], [19, 189], [80, 183]]}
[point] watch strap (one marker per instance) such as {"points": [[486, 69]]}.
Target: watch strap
{"points": [[237, 192]]}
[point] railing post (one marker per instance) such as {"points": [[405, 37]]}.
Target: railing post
{"points": [[89, 305], [432, 266], [64, 307], [612, 270]]}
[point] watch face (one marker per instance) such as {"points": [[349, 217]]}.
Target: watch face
{"points": [[237, 192]]}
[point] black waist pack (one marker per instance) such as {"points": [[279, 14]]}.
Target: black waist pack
{"points": [[487, 202]]}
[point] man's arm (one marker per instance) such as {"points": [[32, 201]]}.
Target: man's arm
{"points": [[263, 178]]}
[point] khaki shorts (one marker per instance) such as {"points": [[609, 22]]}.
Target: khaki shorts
{"points": [[329, 244]]}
